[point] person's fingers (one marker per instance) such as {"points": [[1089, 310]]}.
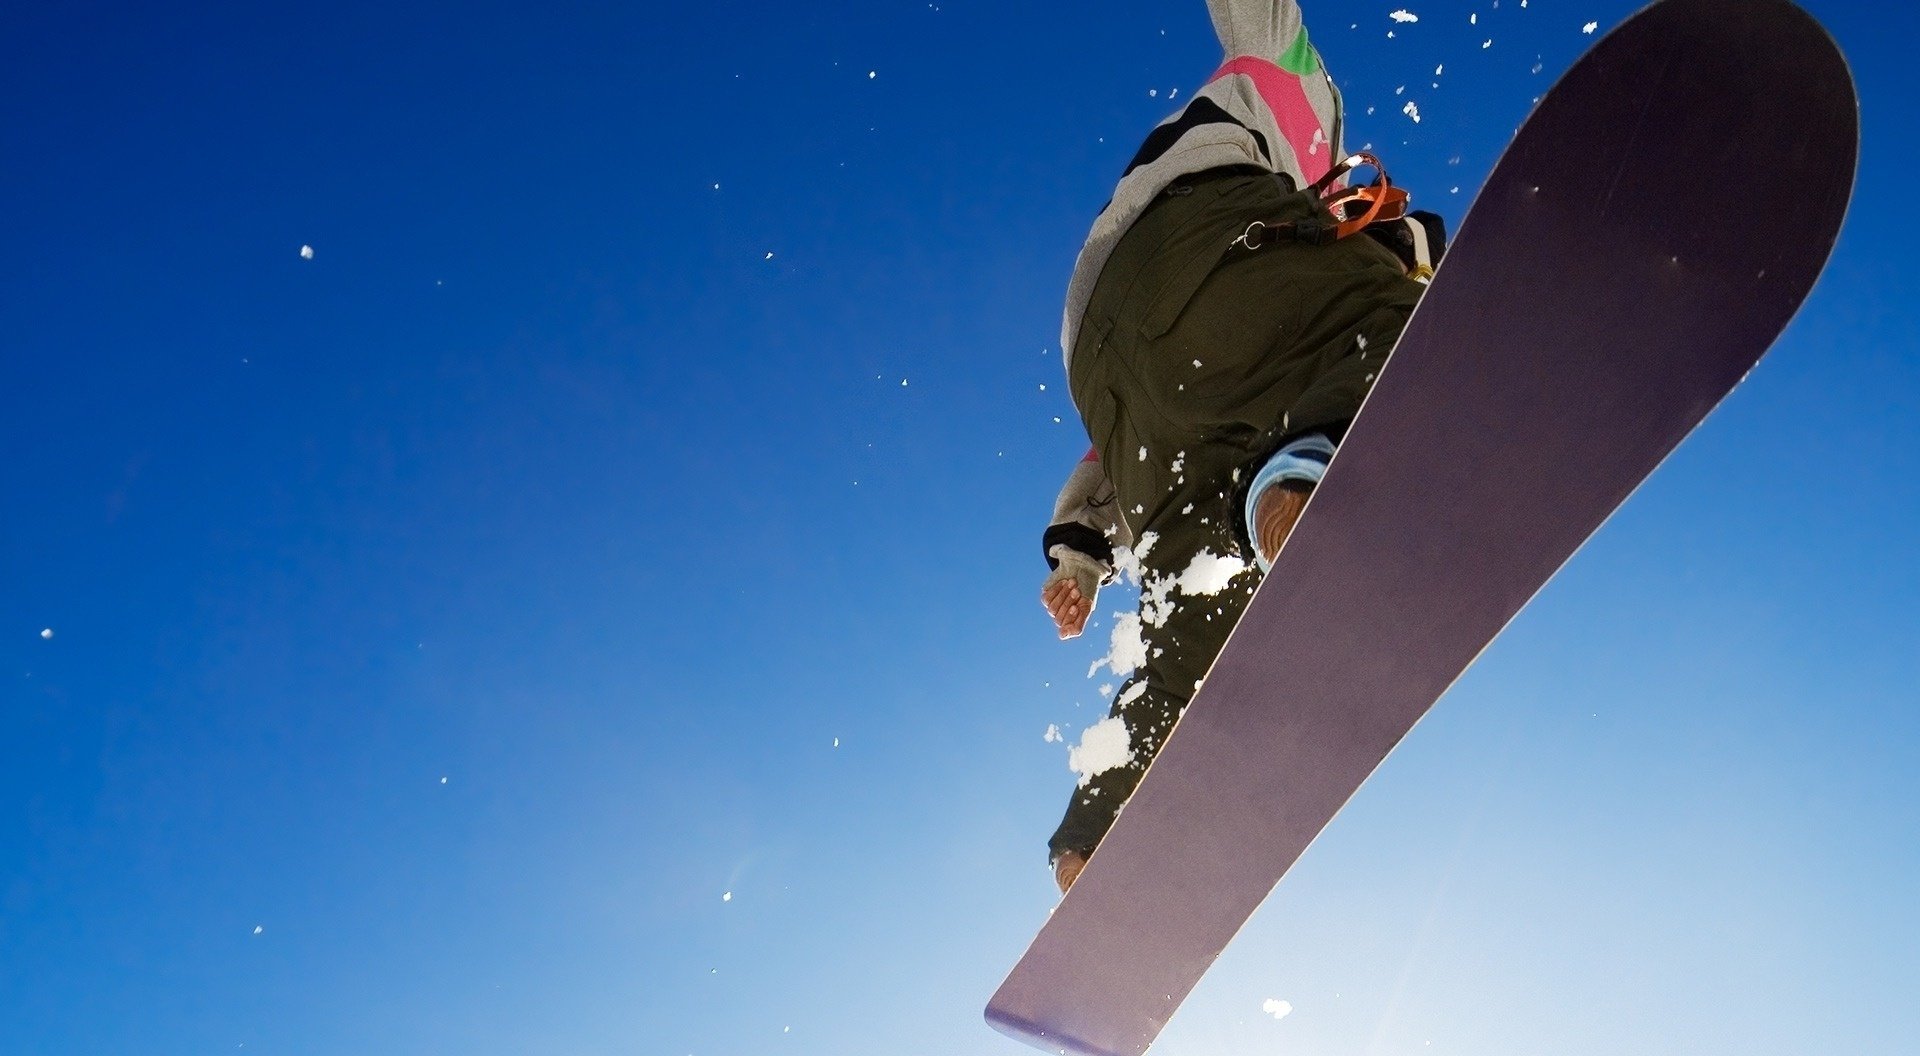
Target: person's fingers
{"points": [[1073, 624], [1054, 596]]}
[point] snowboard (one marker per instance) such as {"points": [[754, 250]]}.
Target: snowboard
{"points": [[1647, 235]]}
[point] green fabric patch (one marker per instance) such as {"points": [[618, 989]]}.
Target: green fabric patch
{"points": [[1300, 59]]}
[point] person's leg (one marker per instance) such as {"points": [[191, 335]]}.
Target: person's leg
{"points": [[1196, 363], [1193, 591]]}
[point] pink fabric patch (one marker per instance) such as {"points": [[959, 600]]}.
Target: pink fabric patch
{"points": [[1287, 98]]}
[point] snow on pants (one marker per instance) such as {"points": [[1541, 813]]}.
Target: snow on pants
{"points": [[1197, 359]]}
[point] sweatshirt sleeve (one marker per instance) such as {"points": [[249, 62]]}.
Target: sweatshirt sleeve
{"points": [[1262, 28], [1086, 516]]}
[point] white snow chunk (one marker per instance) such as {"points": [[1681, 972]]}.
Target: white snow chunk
{"points": [[1140, 551], [769, 256], [1053, 734], [1276, 1008], [47, 633], [1209, 574], [1106, 689], [1404, 16], [1473, 19], [443, 780], [728, 897], [1590, 27], [1412, 110], [871, 74], [1103, 746], [1153, 93], [1143, 453], [306, 252], [257, 929], [1126, 649]]}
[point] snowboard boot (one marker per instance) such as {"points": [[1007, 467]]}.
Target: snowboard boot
{"points": [[1274, 515], [1066, 869], [1279, 493]]}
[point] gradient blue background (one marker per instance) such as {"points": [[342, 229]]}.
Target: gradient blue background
{"points": [[542, 479]]}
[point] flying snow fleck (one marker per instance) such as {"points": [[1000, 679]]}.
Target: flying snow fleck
{"points": [[1590, 27], [1276, 1008], [257, 929], [47, 633], [871, 74], [306, 252], [728, 897], [769, 256], [1053, 734], [1404, 16], [1412, 110], [1103, 746]]}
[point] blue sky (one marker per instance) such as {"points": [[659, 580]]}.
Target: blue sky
{"points": [[543, 622]]}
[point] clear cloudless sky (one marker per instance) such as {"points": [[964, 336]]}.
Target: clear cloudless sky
{"points": [[590, 606]]}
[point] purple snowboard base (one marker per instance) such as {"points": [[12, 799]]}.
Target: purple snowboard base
{"points": [[1645, 238]]}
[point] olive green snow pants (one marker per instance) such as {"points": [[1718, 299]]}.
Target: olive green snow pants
{"points": [[1196, 360]]}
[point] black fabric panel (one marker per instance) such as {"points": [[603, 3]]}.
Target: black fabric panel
{"points": [[1079, 537], [1202, 111]]}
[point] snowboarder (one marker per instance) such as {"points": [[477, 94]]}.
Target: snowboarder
{"points": [[1215, 363]]}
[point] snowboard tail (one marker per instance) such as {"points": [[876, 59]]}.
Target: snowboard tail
{"points": [[1648, 234]]}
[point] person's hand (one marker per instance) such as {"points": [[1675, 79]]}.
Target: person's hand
{"points": [[1068, 593]]}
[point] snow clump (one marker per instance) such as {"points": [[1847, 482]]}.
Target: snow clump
{"points": [[1209, 574], [1103, 746]]}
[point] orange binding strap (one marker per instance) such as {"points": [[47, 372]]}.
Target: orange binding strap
{"points": [[1382, 199]]}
